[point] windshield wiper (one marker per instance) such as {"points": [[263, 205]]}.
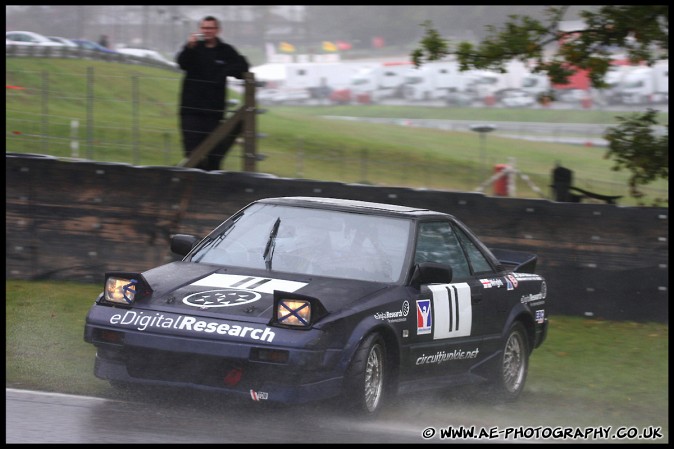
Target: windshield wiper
{"points": [[271, 243]]}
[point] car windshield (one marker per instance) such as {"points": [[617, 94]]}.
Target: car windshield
{"points": [[312, 241]]}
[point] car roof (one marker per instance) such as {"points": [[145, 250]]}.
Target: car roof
{"points": [[28, 33], [354, 206]]}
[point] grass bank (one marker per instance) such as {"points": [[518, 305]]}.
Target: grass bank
{"points": [[128, 114]]}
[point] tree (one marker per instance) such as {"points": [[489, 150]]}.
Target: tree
{"points": [[633, 145], [641, 31]]}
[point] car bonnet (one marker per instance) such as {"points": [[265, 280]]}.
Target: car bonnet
{"points": [[198, 289]]}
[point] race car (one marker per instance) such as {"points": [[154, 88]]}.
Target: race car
{"points": [[299, 299]]}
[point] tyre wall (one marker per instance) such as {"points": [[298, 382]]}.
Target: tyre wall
{"points": [[75, 220]]}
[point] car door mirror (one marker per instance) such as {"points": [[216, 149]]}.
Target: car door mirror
{"points": [[431, 273], [182, 244]]}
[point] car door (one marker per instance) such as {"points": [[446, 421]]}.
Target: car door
{"points": [[447, 336], [499, 289]]}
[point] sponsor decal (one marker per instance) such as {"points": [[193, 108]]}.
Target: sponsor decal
{"points": [[540, 316], [526, 276], [442, 356], [512, 279], [258, 284], [424, 318], [392, 317], [531, 297], [489, 283], [141, 322], [259, 395], [221, 298], [544, 289], [452, 310]]}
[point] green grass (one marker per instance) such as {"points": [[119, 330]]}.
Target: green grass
{"points": [[45, 327], [128, 114], [588, 372]]}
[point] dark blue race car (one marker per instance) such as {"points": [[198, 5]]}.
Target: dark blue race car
{"points": [[300, 299]]}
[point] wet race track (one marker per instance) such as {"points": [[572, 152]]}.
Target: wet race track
{"points": [[170, 417], [186, 418]]}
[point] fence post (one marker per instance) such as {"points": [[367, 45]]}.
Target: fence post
{"points": [[299, 170], [90, 113], [363, 166], [74, 138], [167, 148], [249, 128], [134, 115], [45, 113]]}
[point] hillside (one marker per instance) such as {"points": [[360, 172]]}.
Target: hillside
{"points": [[114, 112]]}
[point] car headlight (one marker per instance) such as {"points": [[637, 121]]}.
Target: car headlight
{"points": [[297, 311], [120, 290], [125, 288], [293, 312]]}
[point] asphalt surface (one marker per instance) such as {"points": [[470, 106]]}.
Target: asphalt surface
{"points": [[169, 416], [37, 417]]}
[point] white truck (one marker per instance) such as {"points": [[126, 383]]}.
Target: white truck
{"points": [[576, 90], [536, 83], [376, 83], [646, 85], [304, 80], [615, 76], [491, 83], [433, 81]]}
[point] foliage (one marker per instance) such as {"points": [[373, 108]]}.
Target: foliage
{"points": [[642, 31], [432, 42], [634, 146]]}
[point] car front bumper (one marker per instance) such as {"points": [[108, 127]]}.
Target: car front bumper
{"points": [[285, 373]]}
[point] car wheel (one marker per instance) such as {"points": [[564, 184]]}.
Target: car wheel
{"points": [[366, 377], [511, 371]]}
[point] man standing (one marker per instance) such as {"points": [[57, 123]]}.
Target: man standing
{"points": [[207, 62]]}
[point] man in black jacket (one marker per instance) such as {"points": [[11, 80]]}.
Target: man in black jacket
{"points": [[207, 62]]}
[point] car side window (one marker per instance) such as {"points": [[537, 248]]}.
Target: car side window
{"points": [[437, 242], [478, 261]]}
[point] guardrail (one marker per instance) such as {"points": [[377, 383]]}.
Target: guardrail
{"points": [[39, 51]]}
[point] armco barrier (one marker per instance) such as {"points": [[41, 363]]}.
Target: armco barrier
{"points": [[74, 220]]}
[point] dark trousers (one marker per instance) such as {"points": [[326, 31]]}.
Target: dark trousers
{"points": [[196, 128]]}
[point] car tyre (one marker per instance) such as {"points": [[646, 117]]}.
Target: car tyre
{"points": [[366, 378], [511, 370]]}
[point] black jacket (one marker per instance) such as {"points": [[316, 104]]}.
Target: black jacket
{"points": [[204, 90]]}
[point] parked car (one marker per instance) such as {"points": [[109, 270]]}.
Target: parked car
{"points": [[63, 40], [90, 45], [29, 38], [297, 299], [281, 96], [517, 99], [149, 54], [459, 98]]}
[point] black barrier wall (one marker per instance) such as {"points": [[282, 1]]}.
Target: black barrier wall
{"points": [[74, 220]]}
